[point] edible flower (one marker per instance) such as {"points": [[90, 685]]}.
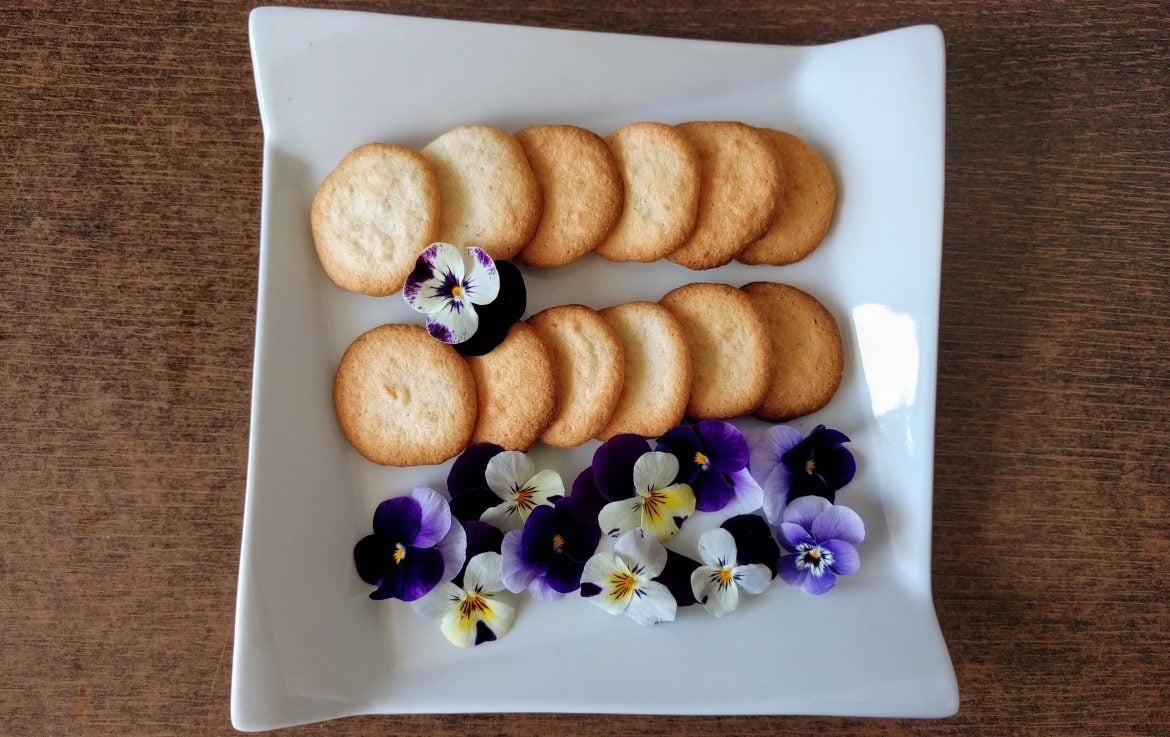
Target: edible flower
{"points": [[820, 538], [658, 505], [621, 582], [791, 467], [498, 317], [549, 554], [473, 613], [466, 482], [446, 284], [717, 582], [416, 544], [513, 478], [713, 459]]}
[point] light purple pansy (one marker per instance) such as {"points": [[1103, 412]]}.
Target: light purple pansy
{"points": [[820, 538], [446, 284]]}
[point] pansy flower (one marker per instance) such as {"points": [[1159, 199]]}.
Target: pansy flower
{"points": [[446, 285], [658, 505], [416, 545], [548, 555], [473, 613], [467, 483], [820, 538], [713, 460], [520, 488], [717, 582], [791, 467], [622, 581]]}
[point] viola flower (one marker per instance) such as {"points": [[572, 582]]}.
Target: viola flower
{"points": [[717, 582], [713, 459], [791, 467], [497, 318], [820, 539], [513, 478], [446, 284], [659, 506], [473, 613], [467, 483], [416, 545], [613, 465], [621, 581], [548, 555], [753, 540]]}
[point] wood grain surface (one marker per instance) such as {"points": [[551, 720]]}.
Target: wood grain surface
{"points": [[129, 216]]}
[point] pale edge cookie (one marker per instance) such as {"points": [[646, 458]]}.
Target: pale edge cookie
{"points": [[729, 349], [372, 216], [582, 192], [516, 387], [739, 191], [658, 370], [806, 207], [490, 195], [403, 398], [590, 366], [807, 356], [660, 174]]}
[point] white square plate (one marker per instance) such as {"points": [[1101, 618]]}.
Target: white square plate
{"points": [[310, 645]]}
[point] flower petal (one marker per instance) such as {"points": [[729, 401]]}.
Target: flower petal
{"points": [[838, 523], [753, 540], [540, 589], [585, 496], [792, 535], [654, 470], [817, 585], [724, 445], [713, 491], [398, 520], [598, 573], [536, 540], [470, 504], [683, 443], [563, 574], [423, 291], [439, 602], [676, 576], [717, 548], [675, 505], [444, 260], [804, 510], [371, 555], [717, 598], [454, 323], [467, 472], [484, 574], [749, 495], [460, 630], [412, 578], [481, 281], [508, 471], [544, 485], [453, 549], [777, 487], [777, 441], [846, 560], [505, 516], [753, 578], [500, 616], [642, 553], [498, 317], [435, 516], [787, 570], [481, 538], [652, 603], [619, 518], [516, 572], [578, 528], [613, 465]]}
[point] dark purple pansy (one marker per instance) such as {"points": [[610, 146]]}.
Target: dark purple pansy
{"points": [[613, 465], [414, 547], [792, 467], [753, 540], [470, 495], [481, 538], [677, 577], [549, 553], [820, 538], [585, 494], [712, 458], [498, 317]]}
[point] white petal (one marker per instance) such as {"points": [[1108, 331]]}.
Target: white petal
{"points": [[444, 258], [484, 574], [651, 604], [439, 601], [504, 517], [508, 471], [454, 323], [717, 548], [642, 552], [654, 470], [721, 600], [459, 630], [675, 503], [481, 280], [618, 518], [545, 484], [499, 616], [425, 296], [702, 578], [753, 578], [600, 570]]}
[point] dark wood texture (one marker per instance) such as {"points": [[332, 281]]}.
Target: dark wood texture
{"points": [[129, 216]]}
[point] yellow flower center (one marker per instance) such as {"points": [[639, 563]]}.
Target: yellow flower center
{"points": [[623, 585], [653, 503], [810, 465], [472, 605], [814, 555], [701, 460], [399, 552], [456, 292], [523, 499], [724, 576], [558, 543]]}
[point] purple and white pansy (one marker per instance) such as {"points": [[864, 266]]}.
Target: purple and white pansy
{"points": [[717, 582], [513, 478], [622, 582], [820, 538], [657, 505], [446, 284], [474, 612]]}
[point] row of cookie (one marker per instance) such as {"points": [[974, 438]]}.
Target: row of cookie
{"points": [[571, 374], [699, 194]]}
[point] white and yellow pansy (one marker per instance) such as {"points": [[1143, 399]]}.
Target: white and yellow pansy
{"points": [[474, 613], [659, 506], [717, 582], [622, 582], [512, 476]]}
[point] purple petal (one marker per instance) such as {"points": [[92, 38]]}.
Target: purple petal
{"points": [[413, 578], [467, 472], [536, 540], [578, 529], [838, 523], [371, 555], [453, 548], [435, 518], [563, 574], [481, 538], [613, 465], [683, 443], [748, 498], [540, 589], [817, 585], [589, 589], [838, 467], [440, 332], [471, 504], [712, 490], [819, 464], [776, 489], [516, 572], [398, 520], [724, 445], [792, 535], [676, 576], [846, 560], [753, 541], [766, 454], [498, 317], [786, 569], [805, 510], [585, 496], [483, 633], [829, 436]]}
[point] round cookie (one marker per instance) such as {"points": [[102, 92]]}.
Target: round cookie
{"points": [[372, 216], [806, 352], [582, 191], [806, 206], [590, 372], [738, 194], [490, 195], [729, 349], [516, 389], [403, 398], [658, 370], [660, 175]]}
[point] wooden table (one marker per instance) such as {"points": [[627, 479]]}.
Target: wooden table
{"points": [[129, 204]]}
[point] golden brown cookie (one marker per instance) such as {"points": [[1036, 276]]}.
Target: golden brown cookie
{"points": [[582, 190], [806, 206], [729, 349], [403, 398], [738, 194], [491, 198], [806, 352], [590, 372], [658, 370], [660, 174], [516, 386], [372, 216]]}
